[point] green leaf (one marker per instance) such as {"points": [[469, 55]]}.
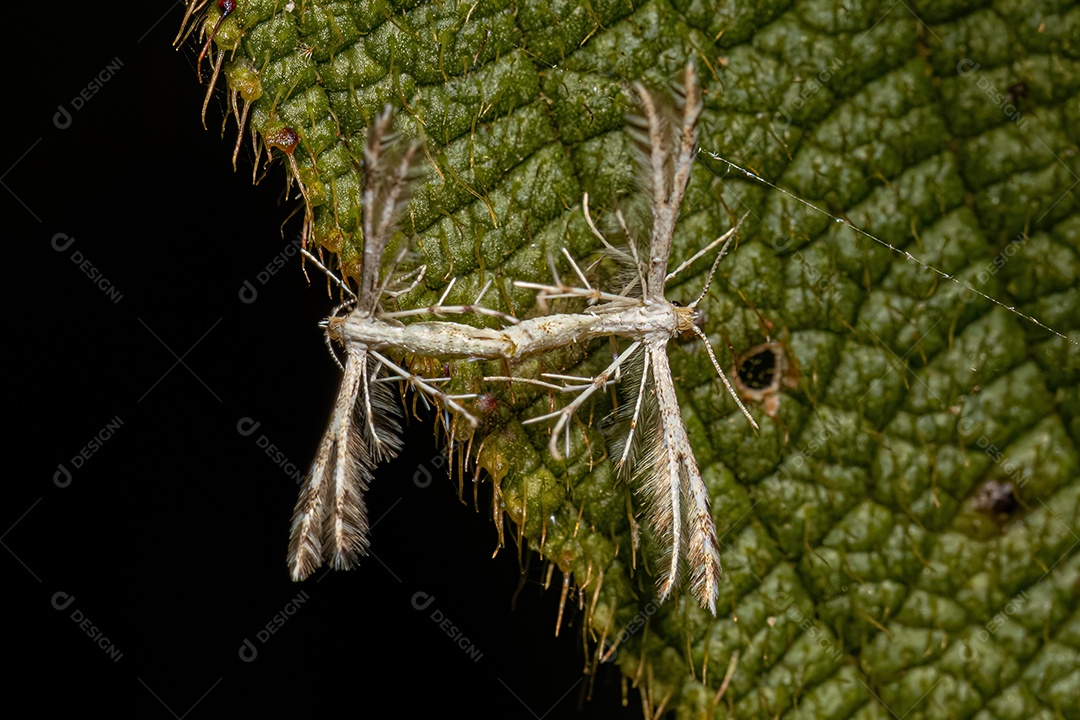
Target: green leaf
{"points": [[900, 538]]}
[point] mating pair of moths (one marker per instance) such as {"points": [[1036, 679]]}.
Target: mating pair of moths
{"points": [[330, 522]]}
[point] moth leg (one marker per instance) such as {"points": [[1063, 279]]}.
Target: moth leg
{"points": [[440, 309], [555, 292], [567, 412], [419, 278], [534, 381], [577, 271], [422, 385], [726, 238], [622, 254]]}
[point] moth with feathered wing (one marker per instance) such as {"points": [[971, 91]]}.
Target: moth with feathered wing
{"points": [[649, 441], [330, 522], [652, 445]]}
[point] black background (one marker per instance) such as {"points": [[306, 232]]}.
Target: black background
{"points": [[171, 538]]}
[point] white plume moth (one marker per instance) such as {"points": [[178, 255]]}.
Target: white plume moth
{"points": [[330, 523]]}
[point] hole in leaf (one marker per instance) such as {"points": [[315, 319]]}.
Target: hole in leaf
{"points": [[758, 371]]}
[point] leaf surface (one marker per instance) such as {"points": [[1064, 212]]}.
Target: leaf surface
{"points": [[900, 539]]}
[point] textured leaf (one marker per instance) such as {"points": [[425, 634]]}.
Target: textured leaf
{"points": [[900, 538]]}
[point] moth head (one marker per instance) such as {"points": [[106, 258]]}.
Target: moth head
{"points": [[335, 328], [687, 318]]}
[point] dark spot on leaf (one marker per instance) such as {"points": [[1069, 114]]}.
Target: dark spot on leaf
{"points": [[1017, 92], [995, 497]]}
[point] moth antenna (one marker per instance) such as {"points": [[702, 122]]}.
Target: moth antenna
{"points": [[331, 331], [727, 238], [329, 346], [723, 376]]}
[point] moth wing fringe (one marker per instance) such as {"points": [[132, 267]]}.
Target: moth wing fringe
{"points": [[307, 533], [388, 176], [676, 498], [702, 552], [657, 481], [330, 522]]}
